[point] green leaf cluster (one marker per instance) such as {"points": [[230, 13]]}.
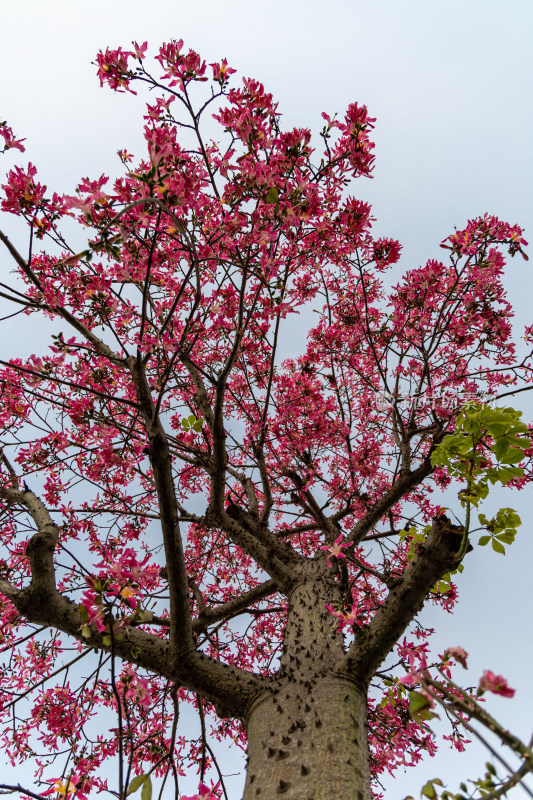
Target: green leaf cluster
{"points": [[415, 537], [482, 786], [481, 430], [484, 449], [192, 423], [445, 583], [501, 529]]}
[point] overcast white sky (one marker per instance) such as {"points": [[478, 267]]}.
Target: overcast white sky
{"points": [[450, 82]]}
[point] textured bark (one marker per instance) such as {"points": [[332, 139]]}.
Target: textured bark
{"points": [[309, 742], [308, 738]]}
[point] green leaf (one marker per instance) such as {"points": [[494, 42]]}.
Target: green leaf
{"points": [[498, 546], [417, 701], [84, 614], [505, 474], [483, 540], [106, 640], [500, 448], [146, 793], [272, 195], [512, 455], [428, 790], [419, 706], [513, 519], [192, 423], [136, 783], [86, 632]]}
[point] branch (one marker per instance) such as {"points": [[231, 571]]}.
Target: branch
{"points": [[7, 789], [436, 557], [228, 688], [276, 557], [472, 709], [234, 606], [405, 483], [181, 638], [97, 343]]}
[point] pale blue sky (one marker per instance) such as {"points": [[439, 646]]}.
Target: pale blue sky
{"points": [[450, 83]]}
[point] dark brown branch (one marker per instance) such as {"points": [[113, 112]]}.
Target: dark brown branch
{"points": [[234, 606], [228, 688], [436, 557], [276, 557], [7, 789], [405, 483], [181, 638]]}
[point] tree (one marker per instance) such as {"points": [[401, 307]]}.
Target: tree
{"points": [[209, 523]]}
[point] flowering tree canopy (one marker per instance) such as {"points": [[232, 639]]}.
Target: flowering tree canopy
{"points": [[189, 518]]}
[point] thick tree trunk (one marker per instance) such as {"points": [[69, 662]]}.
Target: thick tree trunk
{"points": [[309, 743], [307, 736], [307, 739]]}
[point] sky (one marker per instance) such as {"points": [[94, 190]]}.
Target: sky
{"points": [[450, 83]]}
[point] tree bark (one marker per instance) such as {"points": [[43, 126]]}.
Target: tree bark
{"points": [[307, 737], [309, 743]]}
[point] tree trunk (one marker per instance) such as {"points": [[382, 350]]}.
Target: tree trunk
{"points": [[309, 743], [307, 738]]}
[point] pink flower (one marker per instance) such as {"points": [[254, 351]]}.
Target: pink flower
{"points": [[456, 653], [140, 50], [66, 788], [417, 674], [92, 603], [180, 68], [113, 68], [335, 549], [221, 71], [346, 620], [494, 683], [204, 793], [9, 138], [139, 692]]}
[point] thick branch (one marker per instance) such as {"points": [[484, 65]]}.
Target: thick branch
{"points": [[161, 461], [228, 688], [276, 557], [436, 557], [405, 483], [40, 549], [235, 606]]}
